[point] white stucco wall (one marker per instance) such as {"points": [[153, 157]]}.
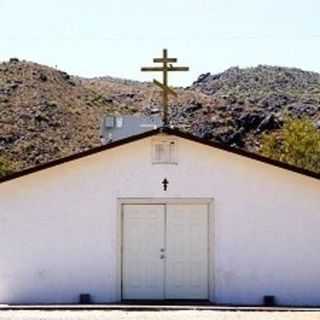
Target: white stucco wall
{"points": [[58, 226]]}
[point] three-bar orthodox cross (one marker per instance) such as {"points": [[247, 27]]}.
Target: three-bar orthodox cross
{"points": [[166, 90]]}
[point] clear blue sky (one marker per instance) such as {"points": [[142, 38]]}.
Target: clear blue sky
{"points": [[116, 37]]}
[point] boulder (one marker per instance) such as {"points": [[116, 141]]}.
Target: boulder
{"points": [[270, 122]]}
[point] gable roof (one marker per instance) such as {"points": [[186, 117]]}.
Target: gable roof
{"points": [[169, 131]]}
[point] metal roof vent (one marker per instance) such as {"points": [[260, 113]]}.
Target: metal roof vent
{"points": [[115, 128]]}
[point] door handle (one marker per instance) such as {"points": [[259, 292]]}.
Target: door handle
{"points": [[162, 256]]}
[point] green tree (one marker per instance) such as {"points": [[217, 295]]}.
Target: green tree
{"points": [[297, 143], [5, 167]]}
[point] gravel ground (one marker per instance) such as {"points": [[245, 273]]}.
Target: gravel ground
{"points": [[163, 315]]}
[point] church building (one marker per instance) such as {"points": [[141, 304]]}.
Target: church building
{"points": [[160, 215]]}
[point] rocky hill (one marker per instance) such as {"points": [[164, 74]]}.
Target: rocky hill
{"points": [[234, 107], [46, 114], [255, 100]]}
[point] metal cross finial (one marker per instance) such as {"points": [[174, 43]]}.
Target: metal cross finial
{"points": [[166, 67]]}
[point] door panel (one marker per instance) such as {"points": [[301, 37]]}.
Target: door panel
{"points": [[187, 252], [143, 238], [178, 233]]}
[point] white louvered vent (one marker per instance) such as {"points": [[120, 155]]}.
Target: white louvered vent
{"points": [[164, 151]]}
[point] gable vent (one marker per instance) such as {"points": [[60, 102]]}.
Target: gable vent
{"points": [[164, 151]]}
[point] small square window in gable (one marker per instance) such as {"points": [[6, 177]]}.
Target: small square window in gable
{"points": [[164, 151]]}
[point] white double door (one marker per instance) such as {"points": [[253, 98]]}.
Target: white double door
{"points": [[165, 252]]}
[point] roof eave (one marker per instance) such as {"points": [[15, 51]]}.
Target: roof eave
{"points": [[79, 155]]}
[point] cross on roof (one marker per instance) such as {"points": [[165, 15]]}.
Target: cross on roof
{"points": [[166, 90]]}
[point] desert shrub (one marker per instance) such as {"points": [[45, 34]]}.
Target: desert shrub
{"points": [[297, 143], [5, 167]]}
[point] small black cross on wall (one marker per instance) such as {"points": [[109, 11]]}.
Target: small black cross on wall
{"points": [[165, 183]]}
